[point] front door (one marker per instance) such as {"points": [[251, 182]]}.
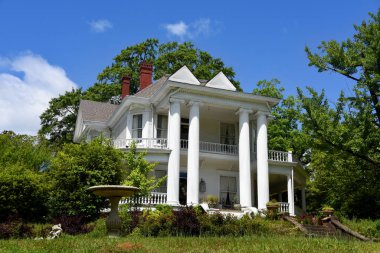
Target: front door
{"points": [[183, 188]]}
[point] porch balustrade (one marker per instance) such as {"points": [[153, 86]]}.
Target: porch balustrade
{"points": [[209, 147], [283, 207], [155, 143], [154, 198]]}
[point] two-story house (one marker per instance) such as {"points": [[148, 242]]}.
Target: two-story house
{"points": [[208, 138]]}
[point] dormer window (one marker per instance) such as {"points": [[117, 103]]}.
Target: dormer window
{"points": [[137, 126]]}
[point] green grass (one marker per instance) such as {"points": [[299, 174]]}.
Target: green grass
{"points": [[369, 228], [87, 243]]}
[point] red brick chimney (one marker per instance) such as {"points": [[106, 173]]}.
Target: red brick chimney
{"points": [[126, 84], [145, 74]]}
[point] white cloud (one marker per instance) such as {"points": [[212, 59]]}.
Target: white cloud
{"points": [[27, 83], [179, 29], [200, 27], [100, 25]]}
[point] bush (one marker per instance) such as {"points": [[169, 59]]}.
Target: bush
{"points": [[186, 221], [81, 166], [14, 227], [22, 193], [74, 225]]}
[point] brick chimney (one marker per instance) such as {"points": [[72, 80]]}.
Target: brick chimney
{"points": [[145, 74], [126, 84]]}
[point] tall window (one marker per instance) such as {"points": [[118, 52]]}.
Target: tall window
{"points": [[228, 190], [158, 174], [162, 126], [227, 134], [137, 126]]}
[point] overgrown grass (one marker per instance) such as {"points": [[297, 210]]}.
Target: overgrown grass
{"points": [[273, 240], [368, 228], [86, 243]]}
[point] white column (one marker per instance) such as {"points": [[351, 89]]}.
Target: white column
{"points": [[244, 159], [129, 126], [303, 198], [262, 161], [193, 155], [290, 195], [174, 157]]}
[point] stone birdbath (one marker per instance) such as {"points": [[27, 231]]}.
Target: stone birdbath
{"points": [[114, 194]]}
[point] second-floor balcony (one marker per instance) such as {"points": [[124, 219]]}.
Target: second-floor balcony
{"points": [[206, 147]]}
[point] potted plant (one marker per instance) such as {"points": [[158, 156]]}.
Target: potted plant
{"points": [[272, 208], [327, 210], [236, 205], [212, 201]]}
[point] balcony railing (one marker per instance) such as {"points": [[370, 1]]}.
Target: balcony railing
{"points": [[154, 198], [208, 147], [211, 147], [156, 143], [280, 156]]}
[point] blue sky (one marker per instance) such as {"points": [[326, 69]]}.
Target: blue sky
{"points": [[47, 47]]}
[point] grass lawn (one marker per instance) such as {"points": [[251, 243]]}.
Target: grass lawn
{"points": [[279, 243]]}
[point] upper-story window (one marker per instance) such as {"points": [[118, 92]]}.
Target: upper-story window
{"points": [[137, 126], [227, 134], [162, 126]]}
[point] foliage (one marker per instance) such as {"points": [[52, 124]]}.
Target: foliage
{"points": [[15, 227], [22, 192], [366, 227], [140, 172], [74, 225], [58, 121], [345, 151], [212, 200], [24, 150], [81, 166]]}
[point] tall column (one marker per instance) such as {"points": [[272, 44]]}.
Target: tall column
{"points": [[193, 155], [244, 159], [174, 157], [262, 161], [303, 199], [290, 195]]}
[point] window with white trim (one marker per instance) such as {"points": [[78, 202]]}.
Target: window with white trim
{"points": [[162, 126], [137, 126], [227, 133]]}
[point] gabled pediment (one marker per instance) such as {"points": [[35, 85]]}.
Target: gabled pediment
{"points": [[220, 81], [184, 75]]}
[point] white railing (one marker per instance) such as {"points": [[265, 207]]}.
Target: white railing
{"points": [[212, 147], [280, 156], [154, 198], [283, 207], [156, 143]]}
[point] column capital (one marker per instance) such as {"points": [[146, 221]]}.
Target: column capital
{"points": [[177, 100], [260, 113], [244, 110], [194, 102]]}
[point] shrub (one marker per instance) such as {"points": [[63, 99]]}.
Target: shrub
{"points": [[156, 223], [81, 166], [186, 221], [23, 193], [14, 227], [74, 225]]}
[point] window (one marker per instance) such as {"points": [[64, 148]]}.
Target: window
{"points": [[159, 174], [137, 126], [228, 191], [227, 134], [162, 126]]}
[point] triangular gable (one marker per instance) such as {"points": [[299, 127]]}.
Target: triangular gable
{"points": [[184, 75], [220, 81]]}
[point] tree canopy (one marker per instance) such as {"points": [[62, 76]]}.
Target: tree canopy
{"points": [[58, 120]]}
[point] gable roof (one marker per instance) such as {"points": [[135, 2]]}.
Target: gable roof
{"points": [[220, 81], [96, 111], [184, 75]]}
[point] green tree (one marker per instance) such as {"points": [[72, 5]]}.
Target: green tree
{"points": [[79, 166], [140, 172], [58, 121]]}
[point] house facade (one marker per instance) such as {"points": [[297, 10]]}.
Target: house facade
{"points": [[208, 138]]}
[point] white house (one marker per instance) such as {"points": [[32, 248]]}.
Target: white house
{"points": [[208, 138]]}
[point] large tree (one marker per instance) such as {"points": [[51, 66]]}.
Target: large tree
{"points": [[345, 152], [58, 121]]}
